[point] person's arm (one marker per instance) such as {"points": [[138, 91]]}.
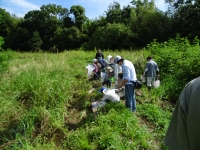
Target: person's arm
{"points": [[96, 56], [102, 56], [146, 69], [157, 72], [123, 83], [126, 76]]}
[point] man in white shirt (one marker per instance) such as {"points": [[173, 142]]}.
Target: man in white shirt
{"points": [[129, 76]]}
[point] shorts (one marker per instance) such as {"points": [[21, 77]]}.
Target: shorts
{"points": [[150, 81]]}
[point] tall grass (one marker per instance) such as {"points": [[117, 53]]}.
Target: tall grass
{"points": [[45, 104]]}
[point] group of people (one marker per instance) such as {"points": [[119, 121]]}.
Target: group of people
{"points": [[107, 67], [182, 133], [123, 71]]}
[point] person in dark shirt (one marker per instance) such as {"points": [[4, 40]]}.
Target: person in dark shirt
{"points": [[99, 55], [183, 132], [151, 71]]}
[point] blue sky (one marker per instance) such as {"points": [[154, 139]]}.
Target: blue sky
{"points": [[93, 8]]}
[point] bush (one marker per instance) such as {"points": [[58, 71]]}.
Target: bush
{"points": [[178, 63]]}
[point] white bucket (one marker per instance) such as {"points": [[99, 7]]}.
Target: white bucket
{"points": [[156, 84]]}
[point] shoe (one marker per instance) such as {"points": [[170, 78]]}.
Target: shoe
{"points": [[94, 104], [101, 104]]}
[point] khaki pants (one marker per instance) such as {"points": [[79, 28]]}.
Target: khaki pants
{"points": [[150, 81]]}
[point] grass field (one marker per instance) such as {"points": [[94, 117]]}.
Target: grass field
{"points": [[45, 104]]}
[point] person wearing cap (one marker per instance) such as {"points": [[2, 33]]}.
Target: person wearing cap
{"points": [[108, 71], [129, 76], [117, 71], [110, 61], [183, 132], [150, 72]]}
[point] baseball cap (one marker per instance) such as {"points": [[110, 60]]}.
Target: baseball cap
{"points": [[94, 60], [117, 58], [101, 90], [108, 58]]}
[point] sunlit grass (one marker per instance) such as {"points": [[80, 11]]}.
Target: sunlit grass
{"points": [[45, 104]]}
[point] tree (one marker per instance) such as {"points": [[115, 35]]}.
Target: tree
{"points": [[114, 13], [113, 36], [79, 16], [6, 23], [35, 41]]}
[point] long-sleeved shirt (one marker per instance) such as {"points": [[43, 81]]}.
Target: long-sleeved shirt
{"points": [[128, 71], [96, 69], [99, 55]]}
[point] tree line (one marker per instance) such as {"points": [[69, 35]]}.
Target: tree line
{"points": [[55, 29]]}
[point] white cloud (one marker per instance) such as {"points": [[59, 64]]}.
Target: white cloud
{"points": [[24, 4], [18, 7], [160, 4]]}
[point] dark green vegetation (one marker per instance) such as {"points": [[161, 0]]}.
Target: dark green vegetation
{"points": [[45, 104], [54, 28]]}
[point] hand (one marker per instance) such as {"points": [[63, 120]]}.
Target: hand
{"points": [[116, 91], [158, 76]]}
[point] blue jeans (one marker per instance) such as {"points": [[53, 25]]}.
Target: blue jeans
{"points": [[102, 62], [130, 97]]}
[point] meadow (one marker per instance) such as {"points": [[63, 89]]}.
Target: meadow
{"points": [[45, 101]]}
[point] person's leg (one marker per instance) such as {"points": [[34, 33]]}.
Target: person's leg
{"points": [[108, 83], [96, 77], [102, 64], [149, 83], [130, 97]]}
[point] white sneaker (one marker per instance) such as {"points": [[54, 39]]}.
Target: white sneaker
{"points": [[94, 104], [101, 104]]}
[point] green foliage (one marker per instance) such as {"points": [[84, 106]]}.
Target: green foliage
{"points": [[6, 23], [118, 130], [45, 104], [5, 57], [178, 62], [35, 41], [112, 36], [1, 42], [155, 115]]}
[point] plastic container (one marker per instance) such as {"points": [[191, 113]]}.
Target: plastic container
{"points": [[110, 95], [156, 84]]}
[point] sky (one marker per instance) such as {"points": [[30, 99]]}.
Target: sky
{"points": [[93, 8]]}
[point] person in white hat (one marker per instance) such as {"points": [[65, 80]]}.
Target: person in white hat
{"points": [[129, 77], [109, 76], [117, 71]]}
